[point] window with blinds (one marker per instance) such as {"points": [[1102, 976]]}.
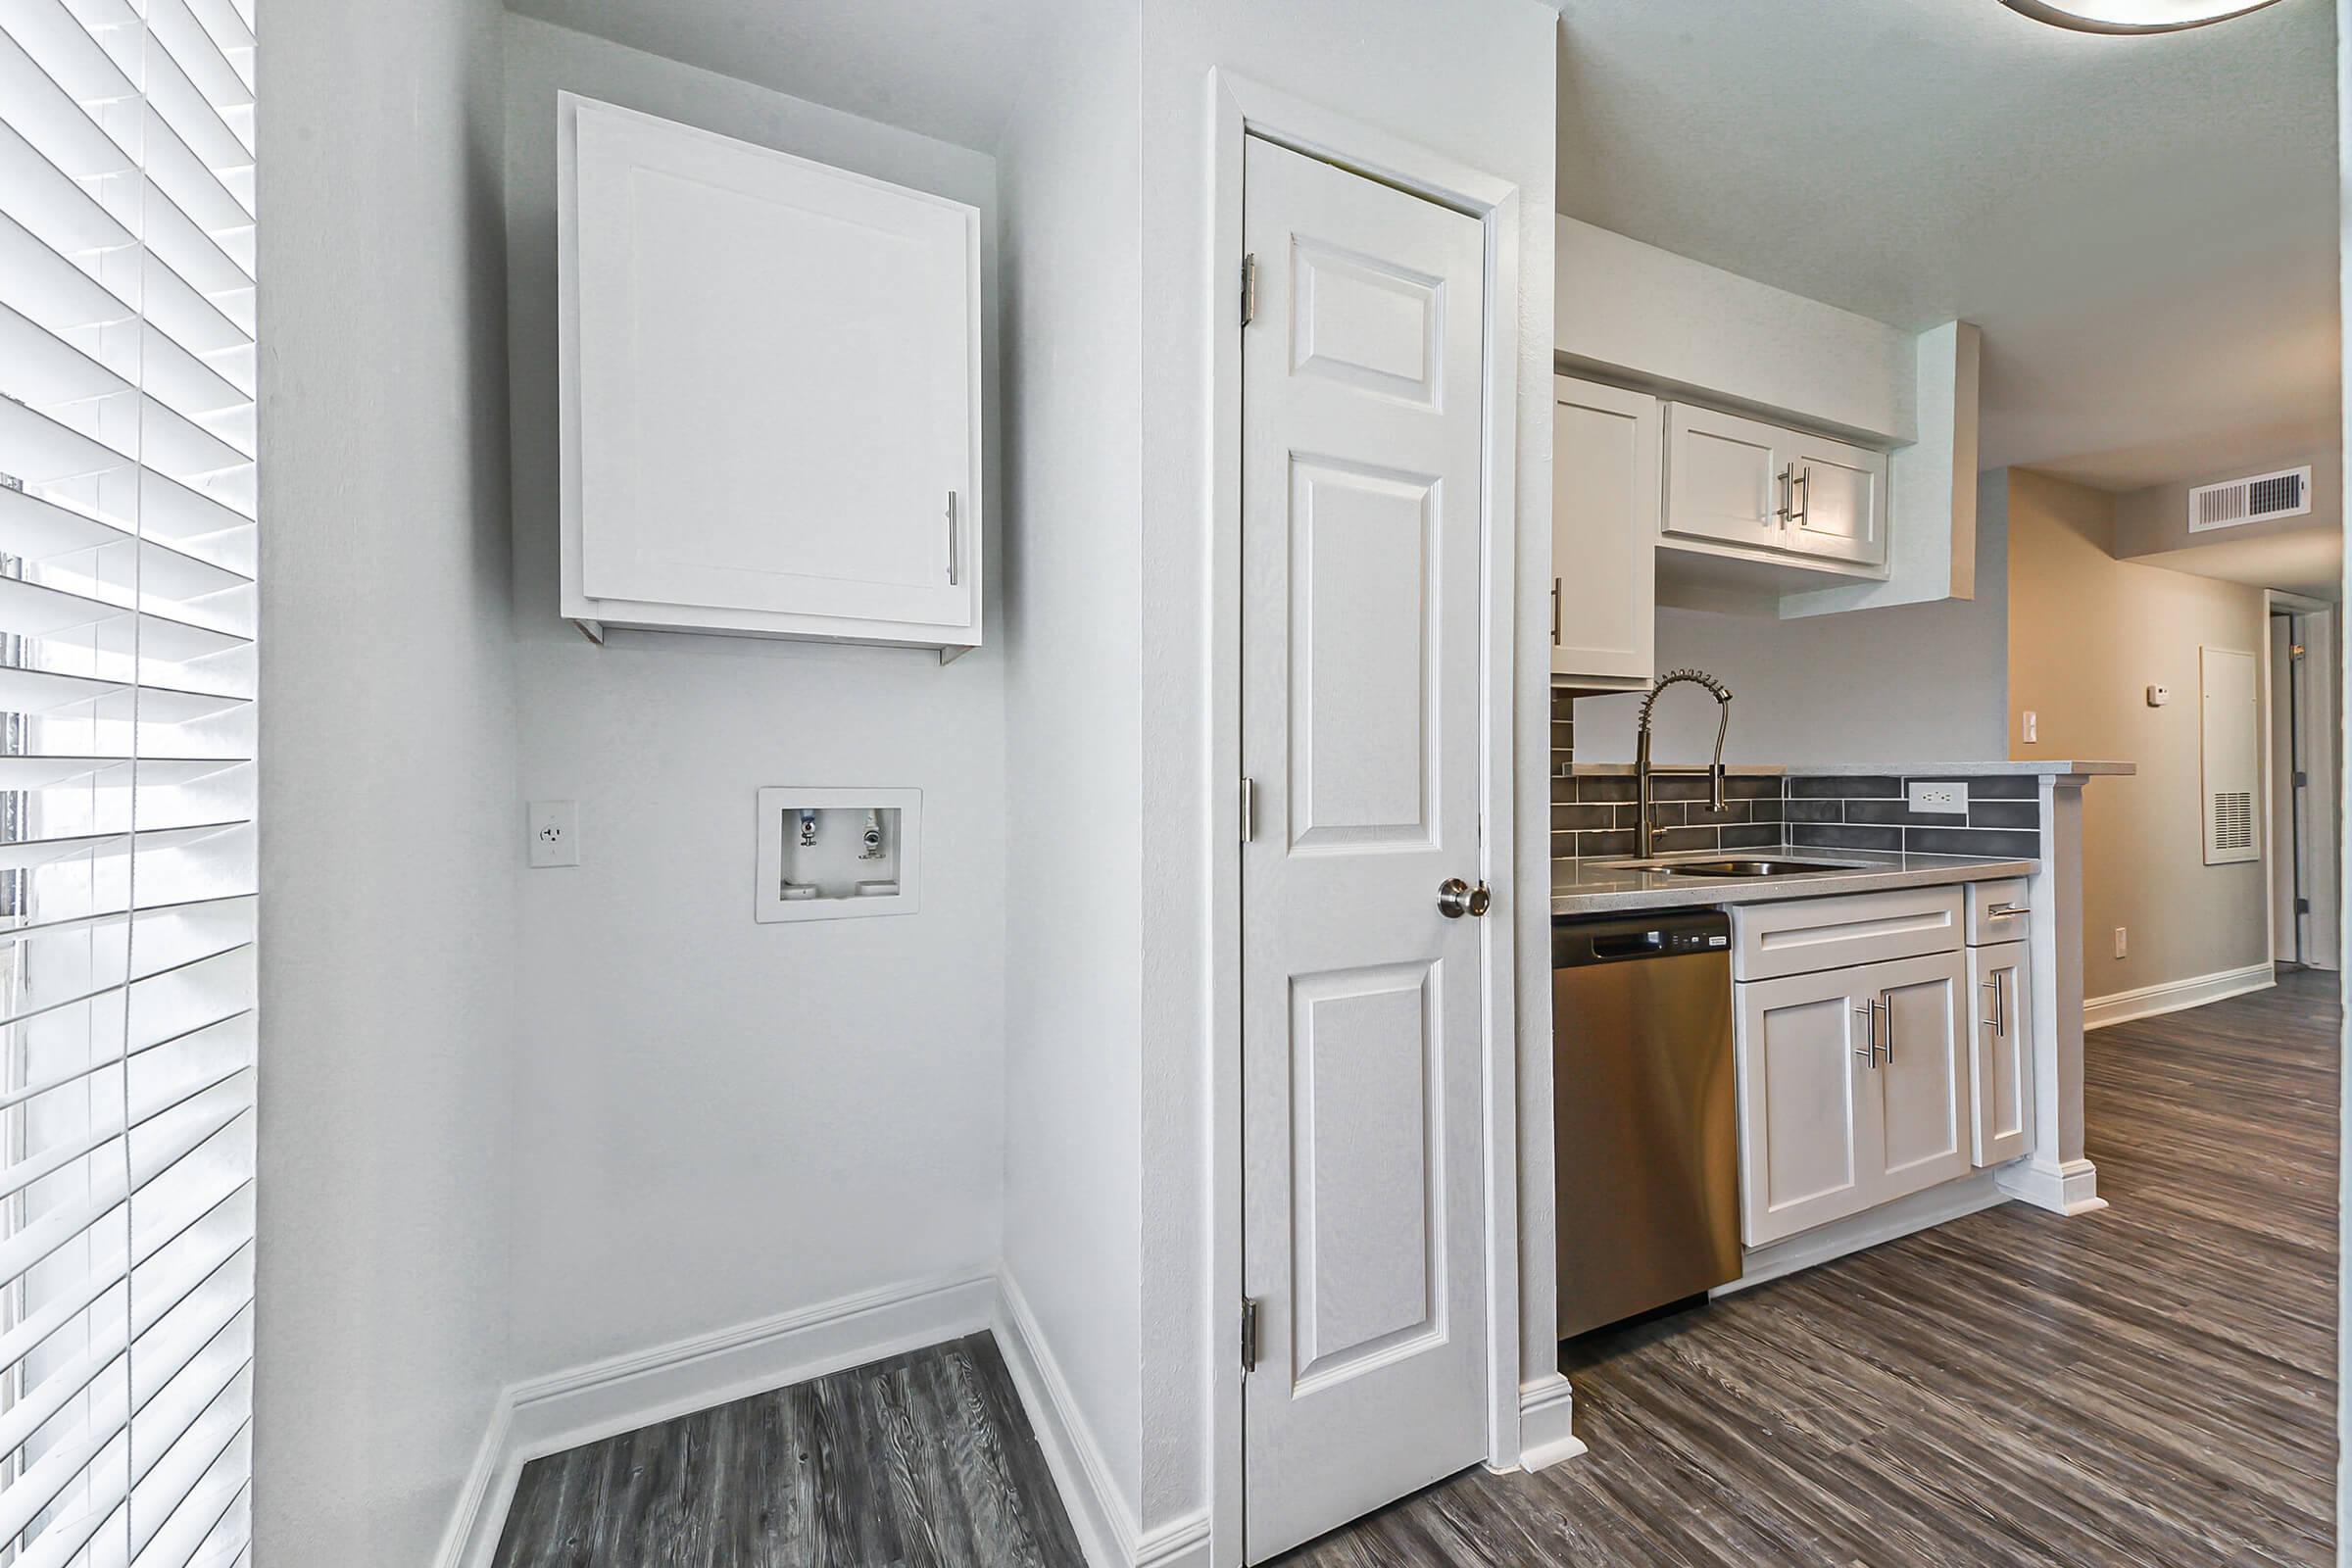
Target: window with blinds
{"points": [[126, 782]]}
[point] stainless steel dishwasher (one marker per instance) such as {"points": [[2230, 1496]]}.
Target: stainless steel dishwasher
{"points": [[1646, 1142]]}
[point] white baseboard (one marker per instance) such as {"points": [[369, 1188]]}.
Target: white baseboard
{"points": [[1936, 1206], [1178, 1544], [1102, 1513], [2069, 1189], [548, 1415], [481, 1513], [2173, 995], [1548, 1424]]}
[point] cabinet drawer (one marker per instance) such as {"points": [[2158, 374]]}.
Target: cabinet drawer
{"points": [[1806, 935], [1998, 913]]}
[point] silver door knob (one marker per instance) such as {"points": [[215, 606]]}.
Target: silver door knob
{"points": [[1457, 898]]}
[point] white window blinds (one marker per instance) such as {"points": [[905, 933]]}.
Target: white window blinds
{"points": [[126, 782]]}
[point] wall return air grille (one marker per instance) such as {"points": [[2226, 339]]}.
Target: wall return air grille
{"points": [[2259, 499]]}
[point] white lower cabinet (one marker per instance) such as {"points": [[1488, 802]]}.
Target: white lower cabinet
{"points": [[1855, 1089], [2001, 1071]]}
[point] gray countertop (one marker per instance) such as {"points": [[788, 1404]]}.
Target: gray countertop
{"points": [[1611, 887]]}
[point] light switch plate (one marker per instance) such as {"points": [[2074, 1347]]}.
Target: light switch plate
{"points": [[555, 833], [1944, 798]]}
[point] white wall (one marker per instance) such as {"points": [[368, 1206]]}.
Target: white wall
{"points": [[1900, 684], [1074, 588], [717, 1121], [1627, 311], [1473, 80], [388, 832]]}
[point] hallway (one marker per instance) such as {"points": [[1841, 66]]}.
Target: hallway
{"points": [[2151, 1385]]}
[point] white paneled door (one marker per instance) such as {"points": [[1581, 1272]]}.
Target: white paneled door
{"points": [[1363, 1207]]}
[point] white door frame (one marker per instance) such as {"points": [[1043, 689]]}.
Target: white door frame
{"points": [[1239, 108], [2317, 854]]}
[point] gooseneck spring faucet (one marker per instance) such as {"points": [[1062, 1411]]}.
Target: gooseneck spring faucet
{"points": [[1643, 772]]}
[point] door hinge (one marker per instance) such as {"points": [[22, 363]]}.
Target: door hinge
{"points": [[1249, 1335], [1249, 810], [1248, 288]]}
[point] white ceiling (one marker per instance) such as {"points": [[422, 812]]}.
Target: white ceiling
{"points": [[2143, 227], [949, 68]]}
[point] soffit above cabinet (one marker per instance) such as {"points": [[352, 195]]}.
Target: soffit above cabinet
{"points": [[770, 391]]}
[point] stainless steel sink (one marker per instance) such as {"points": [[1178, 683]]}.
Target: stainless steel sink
{"points": [[1737, 866]]}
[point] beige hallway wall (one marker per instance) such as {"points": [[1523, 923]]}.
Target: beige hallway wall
{"points": [[2087, 635]]}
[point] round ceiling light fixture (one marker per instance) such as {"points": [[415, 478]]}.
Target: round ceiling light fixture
{"points": [[2134, 15]]}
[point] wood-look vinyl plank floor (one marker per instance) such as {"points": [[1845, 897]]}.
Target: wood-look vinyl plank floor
{"points": [[2152, 1386], [924, 1460]]}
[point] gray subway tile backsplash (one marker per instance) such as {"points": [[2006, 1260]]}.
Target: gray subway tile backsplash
{"points": [[1972, 840], [1594, 815], [1841, 836]]}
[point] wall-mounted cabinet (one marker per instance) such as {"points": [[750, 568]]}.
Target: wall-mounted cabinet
{"points": [[770, 391], [1782, 495], [1605, 463]]}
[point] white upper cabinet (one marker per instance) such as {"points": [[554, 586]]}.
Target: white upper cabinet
{"points": [[1836, 497], [1723, 477], [1604, 531], [1751, 485], [770, 391]]}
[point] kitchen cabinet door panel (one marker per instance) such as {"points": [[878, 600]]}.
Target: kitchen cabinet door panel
{"points": [[1606, 496], [1808, 1132], [1923, 1081], [1723, 478], [2001, 1064], [1836, 499]]}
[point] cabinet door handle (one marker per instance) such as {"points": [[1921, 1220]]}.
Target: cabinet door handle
{"points": [[1787, 494], [1992, 1024], [954, 567], [2003, 912], [1806, 479], [1556, 611], [1885, 1000], [1868, 1012]]}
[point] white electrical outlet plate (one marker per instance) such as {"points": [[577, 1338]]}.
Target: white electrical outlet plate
{"points": [[2158, 696], [2032, 726], [1939, 796], [2122, 941], [555, 827]]}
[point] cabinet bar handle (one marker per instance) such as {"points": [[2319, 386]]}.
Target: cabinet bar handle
{"points": [[1801, 512], [1993, 1023], [1556, 611], [1869, 1015], [1885, 1002], [2003, 912], [954, 573], [1788, 495]]}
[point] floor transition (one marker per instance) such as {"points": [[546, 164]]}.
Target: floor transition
{"points": [[2151, 1385], [924, 1460]]}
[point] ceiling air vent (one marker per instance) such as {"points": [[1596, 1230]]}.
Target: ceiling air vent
{"points": [[2284, 494]]}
